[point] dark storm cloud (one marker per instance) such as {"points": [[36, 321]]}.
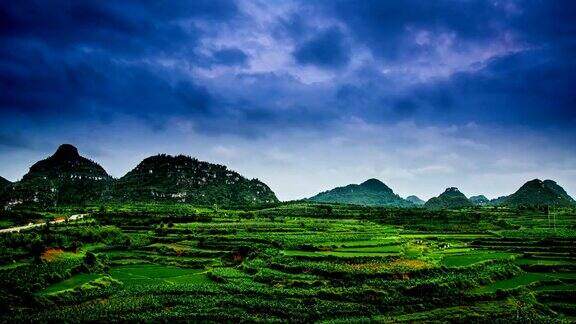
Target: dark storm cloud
{"points": [[530, 85], [101, 59], [126, 27], [87, 84], [386, 26], [534, 87], [92, 59], [328, 49]]}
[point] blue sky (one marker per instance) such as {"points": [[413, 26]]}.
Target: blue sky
{"points": [[304, 95]]}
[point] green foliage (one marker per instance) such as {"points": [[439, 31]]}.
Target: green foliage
{"points": [[293, 262]]}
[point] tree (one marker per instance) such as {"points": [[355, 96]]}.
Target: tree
{"points": [[37, 248], [90, 259]]}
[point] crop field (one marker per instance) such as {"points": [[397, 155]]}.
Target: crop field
{"points": [[295, 262]]}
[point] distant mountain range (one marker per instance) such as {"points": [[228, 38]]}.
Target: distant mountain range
{"points": [[371, 192], [534, 193], [66, 178]]}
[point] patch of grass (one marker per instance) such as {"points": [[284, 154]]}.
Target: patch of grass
{"points": [[556, 288], [524, 279], [71, 282], [462, 260], [152, 274]]}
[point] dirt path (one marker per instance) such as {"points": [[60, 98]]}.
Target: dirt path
{"points": [[29, 226]]}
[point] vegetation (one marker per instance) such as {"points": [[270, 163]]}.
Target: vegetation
{"points": [[295, 261]]}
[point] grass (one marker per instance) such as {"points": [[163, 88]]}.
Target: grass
{"points": [[544, 262], [525, 279], [142, 274], [292, 262], [71, 283], [462, 260], [557, 288]]}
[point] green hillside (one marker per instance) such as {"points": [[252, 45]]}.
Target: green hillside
{"points": [[415, 200], [539, 193], [61, 179], [184, 179], [372, 192], [4, 183], [450, 198], [480, 200]]}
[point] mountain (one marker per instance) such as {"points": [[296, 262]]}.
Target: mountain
{"points": [[371, 192], [4, 183], [480, 200], [539, 193], [185, 179], [450, 198], [61, 179], [415, 200]]}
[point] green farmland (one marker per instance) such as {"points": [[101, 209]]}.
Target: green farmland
{"points": [[294, 262]]}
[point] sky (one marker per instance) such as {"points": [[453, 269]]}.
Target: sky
{"points": [[303, 95]]}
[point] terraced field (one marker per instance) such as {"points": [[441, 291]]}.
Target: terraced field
{"points": [[279, 265]]}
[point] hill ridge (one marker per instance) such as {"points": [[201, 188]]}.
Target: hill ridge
{"points": [[371, 192]]}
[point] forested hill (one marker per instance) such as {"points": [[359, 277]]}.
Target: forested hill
{"points": [[61, 179], [479, 200], [539, 193], [372, 192], [185, 179], [450, 198], [415, 200], [4, 183], [66, 178]]}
